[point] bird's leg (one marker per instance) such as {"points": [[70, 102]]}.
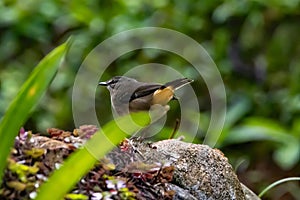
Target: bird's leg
{"points": [[177, 122]]}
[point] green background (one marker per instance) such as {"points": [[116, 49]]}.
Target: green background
{"points": [[255, 45]]}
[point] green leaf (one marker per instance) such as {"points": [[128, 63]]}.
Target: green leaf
{"points": [[288, 154], [28, 97], [254, 129], [235, 113], [257, 128], [81, 161]]}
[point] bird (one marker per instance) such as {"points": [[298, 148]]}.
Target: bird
{"points": [[129, 95]]}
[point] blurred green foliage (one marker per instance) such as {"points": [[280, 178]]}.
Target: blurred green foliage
{"points": [[254, 43]]}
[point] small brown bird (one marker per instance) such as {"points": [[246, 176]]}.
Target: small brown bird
{"points": [[130, 95]]}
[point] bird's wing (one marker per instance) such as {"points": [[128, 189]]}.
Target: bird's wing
{"points": [[144, 90], [150, 88]]}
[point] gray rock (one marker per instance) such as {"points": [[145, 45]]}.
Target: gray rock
{"points": [[204, 171], [200, 171]]}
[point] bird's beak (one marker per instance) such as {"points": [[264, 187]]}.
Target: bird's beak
{"points": [[103, 83]]}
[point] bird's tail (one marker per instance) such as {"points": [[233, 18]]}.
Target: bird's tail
{"points": [[178, 83]]}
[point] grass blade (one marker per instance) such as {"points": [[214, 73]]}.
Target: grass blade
{"points": [[28, 96], [277, 183]]}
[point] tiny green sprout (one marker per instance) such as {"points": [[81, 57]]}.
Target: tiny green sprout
{"points": [[35, 152], [22, 170], [76, 197]]}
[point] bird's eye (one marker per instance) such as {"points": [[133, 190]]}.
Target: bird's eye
{"points": [[112, 83]]}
